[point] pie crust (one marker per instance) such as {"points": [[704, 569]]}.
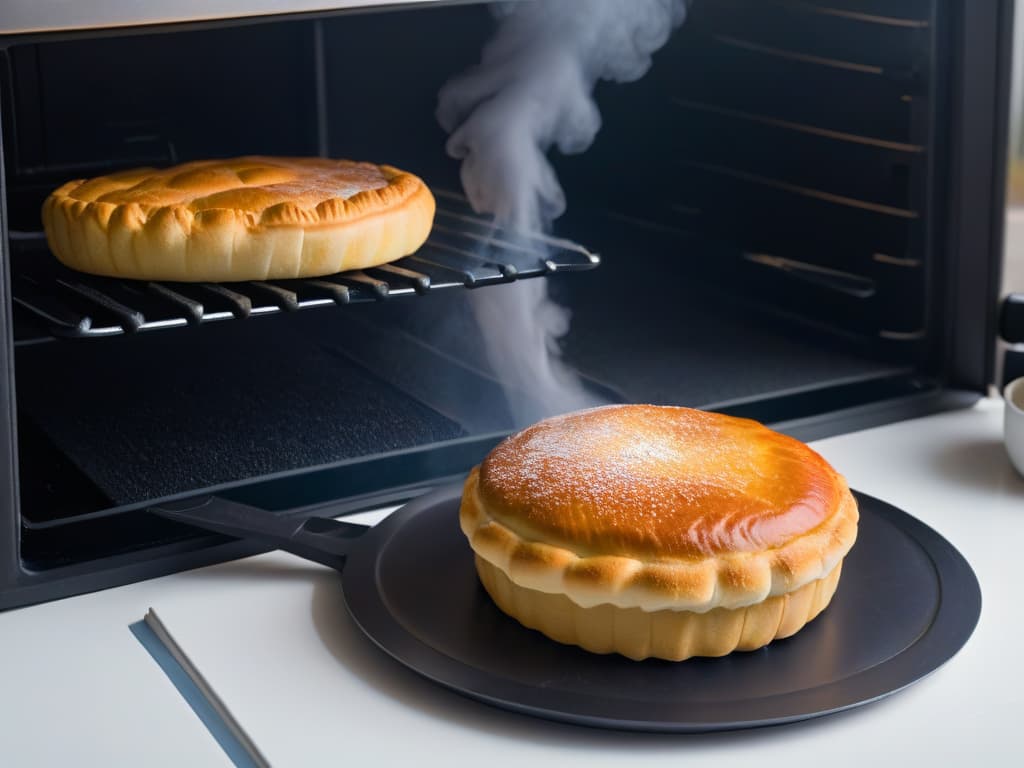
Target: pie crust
{"points": [[248, 218], [658, 531]]}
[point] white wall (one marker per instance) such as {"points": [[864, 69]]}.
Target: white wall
{"points": [[1013, 273]]}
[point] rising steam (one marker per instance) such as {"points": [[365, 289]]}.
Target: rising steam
{"points": [[532, 91]]}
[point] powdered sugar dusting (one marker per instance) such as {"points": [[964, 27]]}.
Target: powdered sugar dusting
{"points": [[657, 481], [247, 183], [339, 181]]}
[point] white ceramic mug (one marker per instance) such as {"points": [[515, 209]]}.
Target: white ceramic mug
{"points": [[1013, 426]]}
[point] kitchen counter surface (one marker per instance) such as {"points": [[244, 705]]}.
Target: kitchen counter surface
{"points": [[272, 637]]}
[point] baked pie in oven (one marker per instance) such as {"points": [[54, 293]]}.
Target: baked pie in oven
{"points": [[250, 218], [658, 531]]}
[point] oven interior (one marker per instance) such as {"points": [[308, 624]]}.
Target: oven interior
{"points": [[762, 202]]}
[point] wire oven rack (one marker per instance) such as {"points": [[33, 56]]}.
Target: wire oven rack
{"points": [[464, 250]]}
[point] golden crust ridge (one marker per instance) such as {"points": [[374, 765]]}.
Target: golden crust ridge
{"points": [[697, 585], [664, 634]]}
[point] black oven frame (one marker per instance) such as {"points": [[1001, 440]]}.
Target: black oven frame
{"points": [[979, 57]]}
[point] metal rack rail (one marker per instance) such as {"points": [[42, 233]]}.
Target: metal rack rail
{"points": [[464, 250]]}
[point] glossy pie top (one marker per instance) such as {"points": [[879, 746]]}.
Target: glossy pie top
{"points": [[657, 482], [252, 184]]}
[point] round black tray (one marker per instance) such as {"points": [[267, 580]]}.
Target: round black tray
{"points": [[907, 602]]}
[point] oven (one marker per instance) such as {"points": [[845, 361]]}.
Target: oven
{"points": [[794, 215]]}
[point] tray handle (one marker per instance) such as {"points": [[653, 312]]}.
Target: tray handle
{"points": [[319, 539]]}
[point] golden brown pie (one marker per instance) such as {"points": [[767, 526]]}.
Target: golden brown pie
{"points": [[250, 218], [656, 531]]}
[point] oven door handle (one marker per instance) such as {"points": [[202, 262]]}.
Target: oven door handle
{"points": [[1011, 329], [1011, 319], [319, 539]]}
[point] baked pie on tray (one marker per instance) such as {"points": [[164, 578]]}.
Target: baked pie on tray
{"points": [[655, 531]]}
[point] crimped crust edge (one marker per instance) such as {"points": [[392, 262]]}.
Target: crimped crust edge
{"points": [[731, 581]]}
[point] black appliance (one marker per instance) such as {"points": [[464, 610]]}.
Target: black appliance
{"points": [[798, 212]]}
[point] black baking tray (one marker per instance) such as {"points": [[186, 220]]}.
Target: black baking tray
{"points": [[907, 602]]}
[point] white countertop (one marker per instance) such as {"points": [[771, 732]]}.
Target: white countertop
{"points": [[272, 636]]}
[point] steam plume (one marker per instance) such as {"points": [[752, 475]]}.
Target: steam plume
{"points": [[533, 91]]}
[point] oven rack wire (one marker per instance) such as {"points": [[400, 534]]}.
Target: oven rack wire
{"points": [[464, 250]]}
